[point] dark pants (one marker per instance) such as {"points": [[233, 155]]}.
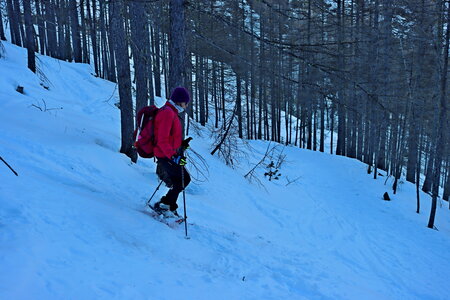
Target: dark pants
{"points": [[174, 176]]}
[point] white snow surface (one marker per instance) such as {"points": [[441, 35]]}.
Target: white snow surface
{"points": [[72, 227]]}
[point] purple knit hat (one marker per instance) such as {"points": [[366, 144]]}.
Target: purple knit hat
{"points": [[180, 94]]}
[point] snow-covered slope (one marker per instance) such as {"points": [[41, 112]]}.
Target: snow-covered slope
{"points": [[72, 227]]}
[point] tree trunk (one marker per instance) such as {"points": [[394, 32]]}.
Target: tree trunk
{"points": [[60, 28], [41, 27], [447, 183], [177, 48], [201, 91], [247, 110], [341, 139], [381, 161], [51, 32], [322, 124], [13, 23], [103, 38], [140, 44], [165, 67], [222, 93], [206, 86], [2, 30], [252, 79], [261, 84], [417, 172], [411, 166], [20, 22], [239, 106], [214, 95], [196, 99], [441, 136], [92, 19], [29, 36], [157, 56], [332, 115], [75, 28], [426, 187], [177, 45], [67, 32], [63, 49], [111, 41], [119, 42], [150, 64], [157, 64], [85, 52]]}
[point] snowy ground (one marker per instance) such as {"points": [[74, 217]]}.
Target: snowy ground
{"points": [[71, 225]]}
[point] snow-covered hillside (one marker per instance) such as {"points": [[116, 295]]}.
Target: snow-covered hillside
{"points": [[72, 227]]}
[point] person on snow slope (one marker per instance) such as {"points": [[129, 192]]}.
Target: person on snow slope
{"points": [[169, 151]]}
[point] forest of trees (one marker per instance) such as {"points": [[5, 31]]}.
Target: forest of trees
{"points": [[374, 72]]}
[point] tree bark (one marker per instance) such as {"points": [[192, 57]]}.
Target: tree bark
{"points": [[111, 44], [2, 30], [29, 36], [20, 22], [120, 45], [411, 166], [59, 24], [178, 55], [427, 184], [41, 26], [341, 139], [68, 47], [92, 19], [140, 44], [177, 45], [440, 124], [85, 52], [50, 27], [201, 91], [104, 42], [13, 23], [157, 54], [75, 29], [239, 106], [446, 194]]}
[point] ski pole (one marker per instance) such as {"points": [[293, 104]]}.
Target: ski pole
{"points": [[15, 173], [184, 204], [157, 188]]}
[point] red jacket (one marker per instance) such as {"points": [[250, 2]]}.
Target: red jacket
{"points": [[168, 132]]}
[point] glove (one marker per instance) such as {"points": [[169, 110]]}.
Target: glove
{"points": [[185, 143], [179, 160]]}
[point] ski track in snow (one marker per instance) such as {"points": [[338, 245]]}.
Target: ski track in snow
{"points": [[71, 226]]}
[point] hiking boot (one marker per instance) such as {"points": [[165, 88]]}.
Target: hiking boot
{"points": [[160, 207], [164, 210], [171, 214]]}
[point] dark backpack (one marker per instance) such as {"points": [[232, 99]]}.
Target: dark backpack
{"points": [[144, 135]]}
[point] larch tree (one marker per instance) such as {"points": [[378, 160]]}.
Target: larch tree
{"points": [[29, 35], [2, 30], [75, 30], [140, 45], [118, 39], [178, 54], [13, 23]]}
